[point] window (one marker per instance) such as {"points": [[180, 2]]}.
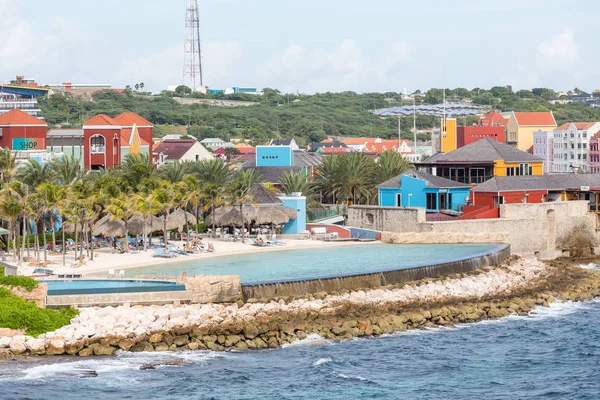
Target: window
{"points": [[97, 144], [197, 157], [431, 201]]}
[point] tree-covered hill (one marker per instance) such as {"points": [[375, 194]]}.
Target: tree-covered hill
{"points": [[306, 118]]}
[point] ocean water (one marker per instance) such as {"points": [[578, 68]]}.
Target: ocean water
{"points": [[319, 262], [551, 354]]}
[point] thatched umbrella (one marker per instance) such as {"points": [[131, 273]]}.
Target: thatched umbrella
{"points": [[109, 227], [230, 216], [69, 227], [274, 215], [177, 219]]}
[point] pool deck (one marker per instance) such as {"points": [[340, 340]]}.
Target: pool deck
{"points": [[105, 259]]}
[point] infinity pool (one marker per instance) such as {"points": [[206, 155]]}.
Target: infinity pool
{"points": [[300, 264], [99, 286]]}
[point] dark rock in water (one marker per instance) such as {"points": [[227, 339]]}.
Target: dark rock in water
{"points": [[144, 367], [171, 362], [87, 374]]}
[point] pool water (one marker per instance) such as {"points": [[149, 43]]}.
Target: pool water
{"points": [[98, 286], [313, 263]]}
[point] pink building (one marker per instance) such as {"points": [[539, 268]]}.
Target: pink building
{"points": [[543, 148]]}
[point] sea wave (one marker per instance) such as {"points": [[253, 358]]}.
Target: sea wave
{"points": [[591, 266], [311, 340], [357, 377], [322, 361]]}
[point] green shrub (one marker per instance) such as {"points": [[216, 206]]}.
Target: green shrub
{"points": [[17, 313], [1, 270], [202, 228], [19, 281]]}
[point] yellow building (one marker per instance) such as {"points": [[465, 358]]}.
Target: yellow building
{"points": [[481, 160], [448, 141], [521, 126]]}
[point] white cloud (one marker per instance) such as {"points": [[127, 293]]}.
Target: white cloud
{"points": [[346, 67], [559, 51], [163, 68]]}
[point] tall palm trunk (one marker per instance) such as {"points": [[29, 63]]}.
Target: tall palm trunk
{"points": [[91, 246], [53, 231], [44, 233], [64, 246], [187, 238], [212, 212], [165, 215], [242, 225], [76, 237], [145, 233], [26, 238], [36, 240], [24, 233], [10, 238], [85, 239]]}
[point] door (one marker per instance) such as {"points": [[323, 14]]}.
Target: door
{"points": [[442, 201], [498, 200], [399, 200]]}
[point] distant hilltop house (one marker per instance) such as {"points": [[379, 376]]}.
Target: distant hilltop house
{"points": [[521, 126], [482, 160], [283, 142], [180, 150], [242, 149], [215, 143]]}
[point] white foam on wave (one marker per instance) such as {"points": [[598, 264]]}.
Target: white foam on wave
{"points": [[313, 339], [357, 377], [112, 366], [591, 266], [322, 361]]}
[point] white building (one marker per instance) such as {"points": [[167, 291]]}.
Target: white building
{"points": [[571, 146], [180, 150], [280, 142], [543, 148], [9, 101], [214, 143]]}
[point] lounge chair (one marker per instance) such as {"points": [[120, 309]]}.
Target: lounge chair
{"points": [[278, 242], [41, 272], [256, 243], [160, 252], [122, 273], [175, 250], [111, 273]]}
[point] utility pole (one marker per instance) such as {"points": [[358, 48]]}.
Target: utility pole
{"points": [[415, 126]]}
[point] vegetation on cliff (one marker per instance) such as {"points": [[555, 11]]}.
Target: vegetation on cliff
{"points": [[17, 313], [307, 118]]}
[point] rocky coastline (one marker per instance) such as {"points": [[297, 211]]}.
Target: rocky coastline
{"points": [[515, 287]]}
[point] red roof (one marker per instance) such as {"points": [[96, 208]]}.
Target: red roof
{"points": [[336, 149], [101, 119], [18, 117], [535, 118], [493, 118], [581, 126], [220, 151], [174, 149], [129, 118]]}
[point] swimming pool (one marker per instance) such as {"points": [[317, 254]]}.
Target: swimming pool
{"points": [[313, 263], [100, 286]]}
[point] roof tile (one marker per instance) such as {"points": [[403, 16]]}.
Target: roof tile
{"points": [[18, 117], [535, 118]]}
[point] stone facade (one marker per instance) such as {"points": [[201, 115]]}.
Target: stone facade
{"points": [[214, 289], [527, 227]]}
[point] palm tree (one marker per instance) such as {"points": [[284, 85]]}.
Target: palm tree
{"points": [[135, 168], [11, 208], [390, 164], [292, 181], [67, 169], [121, 208], [7, 164], [145, 205], [51, 194], [214, 176], [34, 211], [190, 196], [349, 176], [240, 191], [33, 174], [166, 199], [172, 172]]}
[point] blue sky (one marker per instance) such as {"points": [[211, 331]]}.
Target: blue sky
{"points": [[309, 46]]}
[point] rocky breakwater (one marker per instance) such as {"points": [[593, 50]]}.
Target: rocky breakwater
{"points": [[515, 287]]}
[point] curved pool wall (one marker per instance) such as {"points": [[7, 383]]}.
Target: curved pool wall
{"points": [[62, 287], [266, 290]]}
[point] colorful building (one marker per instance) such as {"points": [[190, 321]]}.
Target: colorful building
{"points": [[468, 134], [571, 146], [449, 141], [101, 143], [543, 148], [181, 150], [493, 119], [481, 160], [20, 131], [273, 161], [419, 189], [594, 157], [296, 202], [521, 126], [131, 121]]}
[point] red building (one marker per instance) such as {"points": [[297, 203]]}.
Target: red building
{"points": [[101, 142], [468, 134], [128, 120], [493, 119], [21, 131]]}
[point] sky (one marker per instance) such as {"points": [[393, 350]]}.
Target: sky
{"points": [[307, 46]]}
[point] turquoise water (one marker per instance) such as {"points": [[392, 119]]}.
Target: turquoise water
{"points": [[318, 263], [553, 354], [85, 286]]}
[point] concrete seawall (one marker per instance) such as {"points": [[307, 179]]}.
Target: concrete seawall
{"points": [[371, 280]]}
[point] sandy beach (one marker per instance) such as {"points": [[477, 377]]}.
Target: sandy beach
{"points": [[105, 259]]}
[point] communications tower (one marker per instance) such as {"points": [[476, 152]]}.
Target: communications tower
{"points": [[192, 64]]}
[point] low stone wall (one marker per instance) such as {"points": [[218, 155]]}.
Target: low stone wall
{"points": [[9, 269], [117, 299], [37, 295], [527, 227], [204, 289], [372, 280]]}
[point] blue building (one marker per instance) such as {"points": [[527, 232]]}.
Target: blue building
{"points": [[419, 189], [274, 156], [296, 202]]}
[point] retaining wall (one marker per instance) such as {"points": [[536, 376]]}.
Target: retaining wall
{"points": [[527, 227], [117, 299], [372, 280]]}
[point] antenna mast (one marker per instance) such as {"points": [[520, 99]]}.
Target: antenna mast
{"points": [[192, 65]]}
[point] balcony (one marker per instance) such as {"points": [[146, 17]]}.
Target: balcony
{"points": [[97, 149]]}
